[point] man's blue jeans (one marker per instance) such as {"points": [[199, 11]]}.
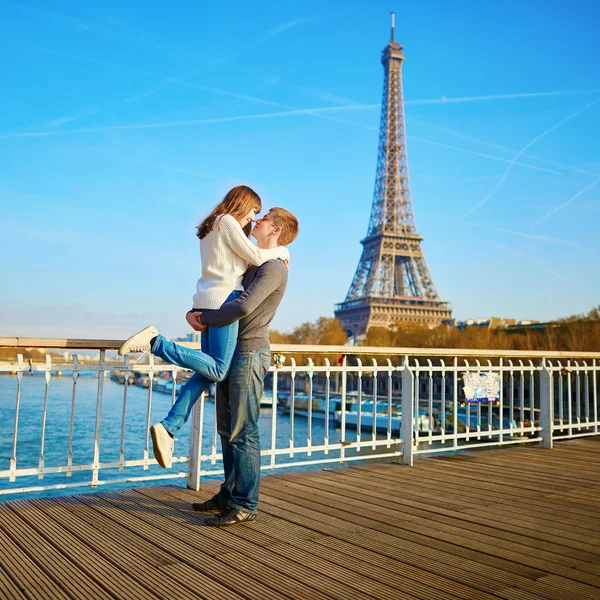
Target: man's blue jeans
{"points": [[238, 407], [210, 365]]}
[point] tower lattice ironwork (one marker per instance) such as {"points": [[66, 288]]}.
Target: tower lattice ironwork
{"points": [[392, 282]]}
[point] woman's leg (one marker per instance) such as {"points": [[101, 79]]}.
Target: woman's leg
{"points": [[187, 397], [213, 366]]}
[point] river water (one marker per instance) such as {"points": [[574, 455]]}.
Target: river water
{"points": [[136, 413]]}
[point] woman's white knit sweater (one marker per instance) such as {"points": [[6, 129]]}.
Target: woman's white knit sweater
{"points": [[226, 253]]}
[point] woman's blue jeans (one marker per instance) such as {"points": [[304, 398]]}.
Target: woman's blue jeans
{"points": [[211, 365]]}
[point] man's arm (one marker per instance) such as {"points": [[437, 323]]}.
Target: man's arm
{"points": [[268, 278]]}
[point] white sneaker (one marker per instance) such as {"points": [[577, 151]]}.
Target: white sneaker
{"points": [[162, 445], [140, 342]]}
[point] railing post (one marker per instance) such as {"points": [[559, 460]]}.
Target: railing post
{"points": [[13, 460], [195, 452], [546, 404], [274, 414], [407, 418], [343, 397], [98, 426]]}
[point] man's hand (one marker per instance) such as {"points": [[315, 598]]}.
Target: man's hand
{"points": [[193, 318]]}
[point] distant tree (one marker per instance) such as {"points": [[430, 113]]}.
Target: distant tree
{"points": [[381, 336], [578, 333], [11, 353], [325, 331], [279, 338], [594, 314], [330, 332]]}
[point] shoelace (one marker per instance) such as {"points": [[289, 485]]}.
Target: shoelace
{"points": [[143, 348], [140, 357]]}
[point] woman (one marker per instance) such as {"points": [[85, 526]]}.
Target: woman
{"points": [[225, 252]]}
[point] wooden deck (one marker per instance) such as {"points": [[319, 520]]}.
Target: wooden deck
{"points": [[520, 524]]}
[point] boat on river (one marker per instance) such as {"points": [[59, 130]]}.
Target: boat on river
{"points": [[305, 406], [479, 422]]}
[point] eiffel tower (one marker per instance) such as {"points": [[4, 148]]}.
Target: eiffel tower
{"points": [[392, 282]]}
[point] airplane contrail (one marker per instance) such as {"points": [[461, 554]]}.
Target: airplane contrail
{"points": [[533, 258], [290, 111], [482, 154], [583, 191], [306, 111], [444, 100], [358, 106], [538, 238], [279, 29], [528, 145], [464, 136], [277, 104], [318, 112]]}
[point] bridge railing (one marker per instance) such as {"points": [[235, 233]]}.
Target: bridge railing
{"points": [[70, 427]]}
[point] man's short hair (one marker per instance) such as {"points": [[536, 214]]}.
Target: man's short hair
{"points": [[287, 222]]}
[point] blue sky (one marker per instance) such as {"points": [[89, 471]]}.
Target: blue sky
{"points": [[123, 124]]}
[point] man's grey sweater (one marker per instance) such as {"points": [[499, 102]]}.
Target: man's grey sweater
{"points": [[255, 308]]}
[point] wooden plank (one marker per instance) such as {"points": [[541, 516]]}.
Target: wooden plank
{"points": [[425, 482], [191, 541], [479, 514], [310, 551], [507, 480], [410, 550], [578, 450], [61, 578], [441, 485], [520, 515], [380, 507], [292, 506], [563, 546], [514, 472], [487, 584], [537, 465], [481, 584], [450, 553], [563, 450], [146, 554], [517, 525], [413, 490], [302, 567], [427, 485], [456, 480], [10, 589], [141, 561], [272, 531], [97, 569]]}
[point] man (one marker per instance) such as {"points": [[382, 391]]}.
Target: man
{"points": [[238, 398]]}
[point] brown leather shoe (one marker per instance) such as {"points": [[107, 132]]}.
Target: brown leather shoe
{"points": [[210, 505], [230, 516]]}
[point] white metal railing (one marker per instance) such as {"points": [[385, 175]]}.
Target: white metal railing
{"points": [[336, 404]]}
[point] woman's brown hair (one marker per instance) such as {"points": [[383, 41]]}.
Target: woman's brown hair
{"points": [[238, 202]]}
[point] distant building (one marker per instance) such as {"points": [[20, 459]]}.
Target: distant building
{"points": [[494, 323], [392, 284], [67, 356], [523, 326], [194, 336]]}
